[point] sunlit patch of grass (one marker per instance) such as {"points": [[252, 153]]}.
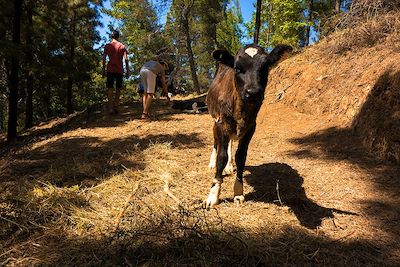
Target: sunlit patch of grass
{"points": [[136, 189], [189, 96], [49, 194], [54, 203]]}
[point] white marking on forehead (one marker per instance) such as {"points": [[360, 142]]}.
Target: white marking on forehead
{"points": [[251, 51]]}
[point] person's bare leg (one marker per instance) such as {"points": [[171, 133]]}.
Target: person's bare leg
{"points": [[149, 100], [110, 99], [116, 99], [144, 101]]}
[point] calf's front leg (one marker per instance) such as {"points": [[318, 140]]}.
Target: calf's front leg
{"points": [[221, 141], [240, 158]]}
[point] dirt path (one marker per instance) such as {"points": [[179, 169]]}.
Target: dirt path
{"points": [[115, 190]]}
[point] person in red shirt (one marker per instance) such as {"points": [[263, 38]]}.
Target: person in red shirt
{"points": [[115, 51]]}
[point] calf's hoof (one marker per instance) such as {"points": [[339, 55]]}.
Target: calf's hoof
{"points": [[238, 200], [210, 203], [213, 197]]}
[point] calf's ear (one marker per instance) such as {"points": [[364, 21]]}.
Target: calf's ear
{"points": [[224, 57], [279, 52]]}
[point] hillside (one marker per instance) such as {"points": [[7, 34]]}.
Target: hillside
{"points": [[357, 87], [100, 190]]}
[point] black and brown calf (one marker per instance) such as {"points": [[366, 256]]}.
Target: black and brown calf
{"points": [[234, 99]]}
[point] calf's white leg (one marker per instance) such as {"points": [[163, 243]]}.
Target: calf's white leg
{"points": [[213, 197], [213, 159]]}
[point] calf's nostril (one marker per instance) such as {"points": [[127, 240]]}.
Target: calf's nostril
{"points": [[252, 92]]}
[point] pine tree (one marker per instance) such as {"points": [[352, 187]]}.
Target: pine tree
{"points": [[29, 64], [229, 32], [257, 22], [36, 55], [14, 74], [6, 47], [206, 22]]}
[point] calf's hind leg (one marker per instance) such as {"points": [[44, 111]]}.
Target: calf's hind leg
{"points": [[240, 158], [229, 169], [229, 166], [213, 157]]}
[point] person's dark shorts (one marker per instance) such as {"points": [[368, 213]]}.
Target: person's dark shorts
{"points": [[114, 77]]}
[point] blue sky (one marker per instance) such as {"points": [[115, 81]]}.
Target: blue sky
{"points": [[247, 7]]}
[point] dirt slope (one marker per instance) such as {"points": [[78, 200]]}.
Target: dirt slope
{"points": [[358, 89], [119, 191]]}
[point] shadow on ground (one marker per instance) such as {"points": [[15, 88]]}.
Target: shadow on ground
{"points": [[372, 146], [337, 144], [69, 155], [200, 244], [280, 184], [93, 117], [378, 122]]}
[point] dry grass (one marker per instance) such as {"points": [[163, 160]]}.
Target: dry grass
{"points": [[125, 192], [376, 29], [99, 190], [365, 24]]}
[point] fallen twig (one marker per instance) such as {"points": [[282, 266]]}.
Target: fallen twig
{"points": [[124, 167], [122, 212], [277, 192], [169, 193], [21, 227]]}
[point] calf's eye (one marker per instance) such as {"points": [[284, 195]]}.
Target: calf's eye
{"points": [[239, 71]]}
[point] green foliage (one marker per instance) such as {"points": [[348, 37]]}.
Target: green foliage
{"points": [[282, 23], [212, 24], [229, 33], [61, 46], [91, 91], [286, 21], [325, 17]]}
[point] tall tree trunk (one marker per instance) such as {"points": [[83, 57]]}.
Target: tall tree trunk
{"points": [[337, 5], [177, 69], [29, 75], [192, 64], [309, 20], [258, 22], [14, 79], [269, 29], [70, 108], [46, 100], [1, 116]]}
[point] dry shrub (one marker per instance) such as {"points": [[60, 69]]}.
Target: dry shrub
{"points": [[165, 236], [367, 23], [366, 34], [366, 10]]}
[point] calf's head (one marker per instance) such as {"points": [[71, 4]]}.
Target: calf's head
{"points": [[251, 65]]}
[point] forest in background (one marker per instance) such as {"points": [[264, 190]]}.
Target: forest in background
{"points": [[50, 68]]}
